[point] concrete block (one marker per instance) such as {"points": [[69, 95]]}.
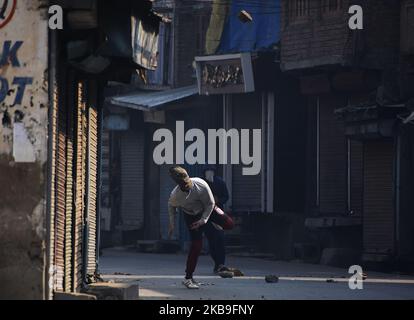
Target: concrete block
{"points": [[72, 296], [113, 291]]}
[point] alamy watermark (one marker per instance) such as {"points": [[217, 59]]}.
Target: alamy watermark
{"points": [[56, 17], [219, 146], [355, 21], [356, 280]]}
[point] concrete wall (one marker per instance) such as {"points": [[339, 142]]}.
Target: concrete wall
{"points": [[23, 149]]}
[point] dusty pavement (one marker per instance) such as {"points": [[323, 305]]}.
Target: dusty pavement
{"points": [[159, 277]]}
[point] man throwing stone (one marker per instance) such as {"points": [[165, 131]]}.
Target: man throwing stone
{"points": [[194, 197]]}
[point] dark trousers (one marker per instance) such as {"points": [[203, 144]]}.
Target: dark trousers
{"points": [[213, 235], [215, 239]]}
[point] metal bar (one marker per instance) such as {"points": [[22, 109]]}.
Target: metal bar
{"points": [[348, 142], [397, 190], [99, 183], [264, 149], [317, 152], [270, 151]]}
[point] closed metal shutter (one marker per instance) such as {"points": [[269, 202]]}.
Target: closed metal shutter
{"points": [[379, 215], [332, 159], [72, 90], [60, 196], [356, 178], [132, 180], [92, 159], [62, 184], [80, 186], [54, 137], [247, 190], [74, 161]]}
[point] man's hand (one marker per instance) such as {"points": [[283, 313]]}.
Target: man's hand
{"points": [[197, 224], [170, 231]]}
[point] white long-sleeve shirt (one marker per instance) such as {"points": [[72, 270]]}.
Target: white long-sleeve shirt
{"points": [[198, 200]]}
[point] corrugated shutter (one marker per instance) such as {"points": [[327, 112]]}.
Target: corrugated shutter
{"points": [[74, 162], [61, 191], [132, 180], [247, 190], [332, 159], [378, 216], [92, 181], [54, 137], [105, 205], [80, 179], [69, 184], [60, 196]]}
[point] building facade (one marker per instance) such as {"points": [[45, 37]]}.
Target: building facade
{"points": [[353, 81], [52, 90], [23, 150]]}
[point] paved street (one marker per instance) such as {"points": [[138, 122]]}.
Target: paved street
{"points": [[159, 277]]}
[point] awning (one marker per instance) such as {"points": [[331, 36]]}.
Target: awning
{"points": [[146, 101]]}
